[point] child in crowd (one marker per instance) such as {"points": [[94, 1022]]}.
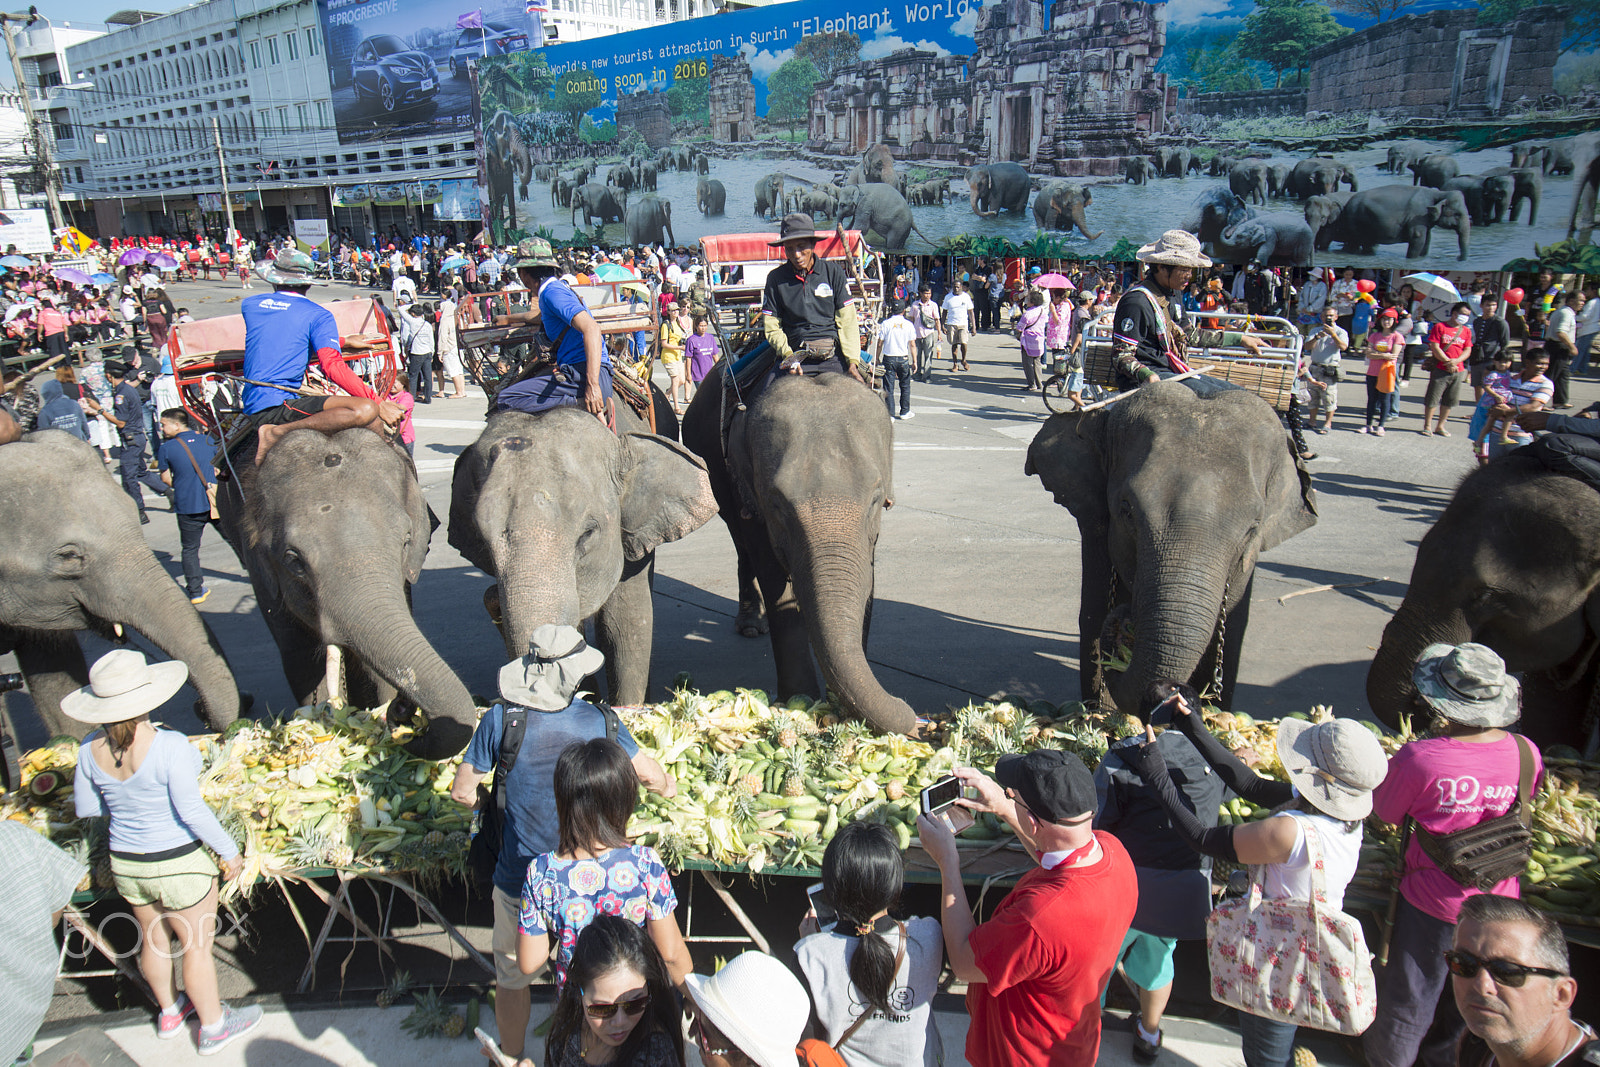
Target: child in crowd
{"points": [[1385, 345], [1496, 391], [400, 393]]}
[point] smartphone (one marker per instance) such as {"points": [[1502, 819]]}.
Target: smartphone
{"points": [[493, 1047], [819, 905], [941, 795], [1162, 713]]}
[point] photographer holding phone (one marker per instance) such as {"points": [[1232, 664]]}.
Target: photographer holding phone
{"points": [[1036, 969]]}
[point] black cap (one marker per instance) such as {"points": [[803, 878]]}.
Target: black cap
{"points": [[116, 369], [1055, 785]]}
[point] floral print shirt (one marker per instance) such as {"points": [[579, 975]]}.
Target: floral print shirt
{"points": [[561, 897]]}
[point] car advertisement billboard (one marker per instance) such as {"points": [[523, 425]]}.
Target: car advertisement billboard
{"points": [[1292, 132], [399, 67]]}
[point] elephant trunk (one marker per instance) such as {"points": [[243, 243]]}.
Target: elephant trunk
{"points": [[366, 613], [538, 585], [1414, 627], [833, 583], [1176, 607]]}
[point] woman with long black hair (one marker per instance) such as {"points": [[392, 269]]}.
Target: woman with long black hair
{"points": [[872, 977], [618, 1006]]}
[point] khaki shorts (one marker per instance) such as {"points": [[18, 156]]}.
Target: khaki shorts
{"points": [[175, 884], [956, 334], [507, 916]]}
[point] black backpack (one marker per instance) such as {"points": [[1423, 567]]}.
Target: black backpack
{"points": [[484, 853]]}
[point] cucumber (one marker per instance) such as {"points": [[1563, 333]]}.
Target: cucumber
{"points": [[802, 826], [902, 833], [831, 825], [766, 748]]}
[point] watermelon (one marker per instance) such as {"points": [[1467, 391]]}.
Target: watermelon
{"points": [[45, 783]]}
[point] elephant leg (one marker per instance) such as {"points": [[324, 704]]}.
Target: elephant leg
{"points": [[624, 630], [1092, 608], [752, 618], [304, 655], [791, 643], [54, 667]]}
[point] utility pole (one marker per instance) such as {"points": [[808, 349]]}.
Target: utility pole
{"points": [[227, 198], [41, 142]]}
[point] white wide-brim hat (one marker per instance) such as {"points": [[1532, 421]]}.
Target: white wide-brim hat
{"points": [[1175, 248], [547, 678], [1336, 765], [758, 1004], [123, 686]]}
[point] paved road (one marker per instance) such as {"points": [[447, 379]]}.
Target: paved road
{"points": [[978, 569]]}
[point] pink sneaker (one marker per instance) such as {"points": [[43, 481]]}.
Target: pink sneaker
{"points": [[171, 1024], [1377, 431]]}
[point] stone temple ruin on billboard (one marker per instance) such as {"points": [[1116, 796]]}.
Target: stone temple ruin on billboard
{"points": [[1068, 86]]}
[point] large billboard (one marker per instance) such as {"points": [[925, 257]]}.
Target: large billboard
{"points": [[399, 68], [1379, 133]]}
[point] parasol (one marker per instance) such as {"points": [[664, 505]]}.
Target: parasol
{"points": [[453, 263], [1436, 293], [130, 257], [103, 278], [1053, 281], [161, 261], [71, 274], [15, 261]]}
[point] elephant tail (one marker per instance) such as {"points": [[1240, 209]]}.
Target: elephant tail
{"points": [[931, 242]]}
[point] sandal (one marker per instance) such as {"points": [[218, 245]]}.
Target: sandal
{"points": [[1442, 432]]}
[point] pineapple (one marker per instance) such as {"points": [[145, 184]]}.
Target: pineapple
{"points": [[750, 784], [719, 768], [794, 779], [744, 809], [432, 1017], [674, 849], [398, 987], [433, 840], [1304, 1057], [787, 737], [454, 1026]]}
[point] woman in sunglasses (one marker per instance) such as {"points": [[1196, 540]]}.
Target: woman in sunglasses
{"points": [[618, 1005]]}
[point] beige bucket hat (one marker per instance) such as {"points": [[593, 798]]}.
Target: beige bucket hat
{"points": [[123, 686]]}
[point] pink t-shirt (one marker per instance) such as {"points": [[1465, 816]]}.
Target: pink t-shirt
{"points": [[1448, 785], [1383, 348], [407, 403]]}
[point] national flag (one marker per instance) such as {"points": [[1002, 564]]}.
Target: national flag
{"points": [[538, 7], [472, 20]]}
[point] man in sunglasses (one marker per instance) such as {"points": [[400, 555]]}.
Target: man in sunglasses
{"points": [[1512, 981]]}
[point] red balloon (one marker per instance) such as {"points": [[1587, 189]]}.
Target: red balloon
{"points": [[1367, 286], [1514, 296]]}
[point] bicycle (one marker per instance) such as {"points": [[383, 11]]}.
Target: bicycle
{"points": [[1058, 401]]}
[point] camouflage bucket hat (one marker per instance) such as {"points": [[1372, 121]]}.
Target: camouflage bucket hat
{"points": [[289, 268], [1468, 684], [534, 252]]}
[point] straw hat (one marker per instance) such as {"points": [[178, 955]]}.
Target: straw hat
{"points": [[1335, 764], [557, 662], [123, 686], [1468, 684], [1175, 248], [758, 1004]]}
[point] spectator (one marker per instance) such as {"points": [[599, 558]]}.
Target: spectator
{"points": [[1333, 767], [751, 1013], [896, 337], [702, 350], [1497, 392], [1449, 345], [997, 291], [1036, 969], [157, 823], [1384, 345], [30, 908], [1530, 394], [925, 317], [1471, 700], [1174, 880], [872, 977], [618, 1006], [1058, 338], [959, 323], [1313, 298], [416, 337], [1513, 985], [400, 396], [594, 870], [127, 415], [540, 690], [1031, 327], [449, 346], [1491, 336], [1561, 345], [978, 289], [1324, 348], [187, 461], [1410, 306], [61, 412], [1588, 329], [1342, 297], [673, 338]]}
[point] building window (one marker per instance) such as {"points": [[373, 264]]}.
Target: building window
{"points": [[300, 117], [255, 55], [272, 51], [322, 115], [292, 43], [283, 119], [313, 47]]}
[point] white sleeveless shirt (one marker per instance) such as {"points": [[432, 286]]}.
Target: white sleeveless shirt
{"points": [[1341, 851]]}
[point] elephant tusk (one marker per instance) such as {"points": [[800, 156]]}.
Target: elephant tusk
{"points": [[116, 628], [335, 673]]}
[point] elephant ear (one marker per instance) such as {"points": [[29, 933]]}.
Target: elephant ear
{"points": [[666, 493], [422, 524], [1291, 503], [470, 473], [1067, 456]]}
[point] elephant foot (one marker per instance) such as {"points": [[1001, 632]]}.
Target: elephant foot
{"points": [[751, 620]]}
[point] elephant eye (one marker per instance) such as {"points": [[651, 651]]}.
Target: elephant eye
{"points": [[587, 537], [293, 562]]}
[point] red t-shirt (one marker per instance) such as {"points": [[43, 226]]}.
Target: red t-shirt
{"points": [[1047, 952], [1454, 341]]}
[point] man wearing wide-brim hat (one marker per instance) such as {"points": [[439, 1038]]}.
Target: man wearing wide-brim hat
{"points": [[582, 373], [807, 313], [1150, 330], [1465, 769]]}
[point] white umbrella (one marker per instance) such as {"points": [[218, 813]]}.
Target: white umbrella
{"points": [[1436, 293]]}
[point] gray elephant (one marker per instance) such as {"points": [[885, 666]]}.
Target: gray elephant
{"points": [[566, 516], [710, 196], [544, 172], [1059, 206], [1159, 158], [1139, 170], [1529, 154], [1559, 158], [1484, 573], [877, 208], [1487, 197], [649, 218], [1527, 186], [1178, 162], [621, 177], [1278, 179], [596, 201], [1214, 211], [1392, 214], [1322, 216], [665, 158], [647, 175], [333, 531], [702, 163], [685, 158], [1220, 164], [1248, 178], [1281, 239], [1319, 176], [1404, 153], [996, 187], [822, 201], [877, 165], [1176, 496], [75, 559], [1434, 170], [1585, 185], [815, 459], [769, 195], [560, 192]]}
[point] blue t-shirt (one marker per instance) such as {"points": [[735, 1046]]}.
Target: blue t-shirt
{"points": [[561, 897], [559, 304], [282, 332], [188, 487], [530, 825]]}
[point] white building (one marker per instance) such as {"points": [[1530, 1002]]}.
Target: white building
{"points": [[41, 48]]}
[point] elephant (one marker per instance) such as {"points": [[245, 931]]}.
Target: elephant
{"points": [[1559, 159], [648, 217], [877, 165], [685, 158], [815, 459], [1529, 154], [1318, 176], [665, 158], [878, 208], [598, 202], [1487, 198], [710, 196], [620, 177], [1527, 184], [1214, 211], [1278, 179], [544, 172], [1282, 239], [1159, 158], [1059, 206], [769, 195], [1322, 216], [1391, 214], [1433, 171], [333, 530], [1485, 573], [1176, 495], [996, 187], [822, 201], [1139, 170], [647, 176], [507, 164], [1177, 162], [1404, 153], [1220, 164], [702, 163], [1585, 184], [567, 516], [1196, 164], [560, 192], [1248, 178], [73, 558]]}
